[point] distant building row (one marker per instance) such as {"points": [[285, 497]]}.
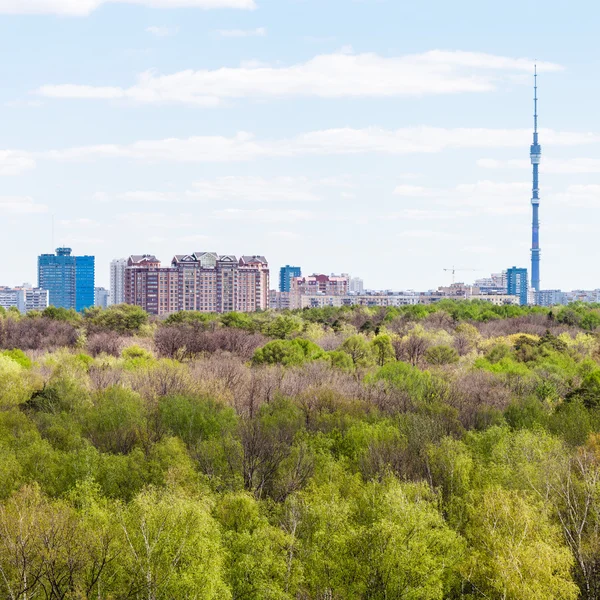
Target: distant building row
{"points": [[24, 298], [202, 281]]}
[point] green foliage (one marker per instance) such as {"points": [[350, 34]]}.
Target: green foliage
{"points": [[189, 317], [238, 321], [359, 350], [441, 355], [383, 349], [348, 475], [19, 357], [15, 387], [287, 352], [62, 314], [122, 318], [196, 419], [283, 327]]}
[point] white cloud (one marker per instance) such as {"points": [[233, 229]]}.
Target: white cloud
{"points": [[241, 33], [233, 188], [579, 196], [15, 162], [279, 189], [20, 205], [483, 197], [82, 8], [262, 215], [162, 31], [549, 165], [245, 146], [328, 76]]}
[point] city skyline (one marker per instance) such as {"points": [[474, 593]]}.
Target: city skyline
{"points": [[310, 141]]}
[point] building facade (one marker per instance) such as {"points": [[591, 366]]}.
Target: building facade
{"points": [[117, 280], [356, 285], [329, 285], [517, 284], [24, 298], [69, 279], [202, 281], [286, 274], [101, 297]]}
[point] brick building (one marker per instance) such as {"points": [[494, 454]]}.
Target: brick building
{"points": [[202, 281]]}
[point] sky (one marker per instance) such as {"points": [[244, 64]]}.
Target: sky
{"points": [[385, 139]]}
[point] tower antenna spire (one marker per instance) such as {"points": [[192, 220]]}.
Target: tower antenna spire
{"points": [[536, 156]]}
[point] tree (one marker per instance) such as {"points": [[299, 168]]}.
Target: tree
{"points": [[412, 553], [359, 350], [120, 318], [172, 548], [517, 553], [15, 387], [441, 355], [287, 352], [382, 349]]}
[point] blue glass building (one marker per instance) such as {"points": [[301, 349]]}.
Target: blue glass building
{"points": [[68, 279], [517, 284], [286, 274]]}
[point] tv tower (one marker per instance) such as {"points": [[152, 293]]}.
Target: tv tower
{"points": [[536, 156]]}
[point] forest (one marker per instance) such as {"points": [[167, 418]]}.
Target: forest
{"points": [[436, 452]]}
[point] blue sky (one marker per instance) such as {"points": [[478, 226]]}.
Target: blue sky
{"points": [[381, 138]]}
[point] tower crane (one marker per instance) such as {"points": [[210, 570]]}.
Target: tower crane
{"points": [[454, 270]]}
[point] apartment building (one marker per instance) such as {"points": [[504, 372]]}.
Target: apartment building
{"points": [[117, 280], [24, 298], [202, 281]]}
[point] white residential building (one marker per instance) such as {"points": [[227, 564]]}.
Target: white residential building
{"points": [[23, 298], [117, 281], [101, 297]]}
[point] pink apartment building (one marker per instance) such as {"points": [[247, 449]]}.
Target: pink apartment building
{"points": [[202, 281]]}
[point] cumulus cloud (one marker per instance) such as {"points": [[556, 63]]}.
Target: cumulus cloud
{"points": [[549, 165], [15, 163], [82, 8], [579, 196], [233, 188], [337, 75], [482, 197], [20, 205], [241, 33], [245, 147]]}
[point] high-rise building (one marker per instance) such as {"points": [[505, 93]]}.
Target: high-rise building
{"points": [[536, 156], [101, 297], [84, 282], [203, 281], [517, 284], [24, 298], [286, 274], [117, 280], [69, 279], [356, 285]]}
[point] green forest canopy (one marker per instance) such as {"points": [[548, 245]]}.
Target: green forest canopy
{"points": [[426, 452]]}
